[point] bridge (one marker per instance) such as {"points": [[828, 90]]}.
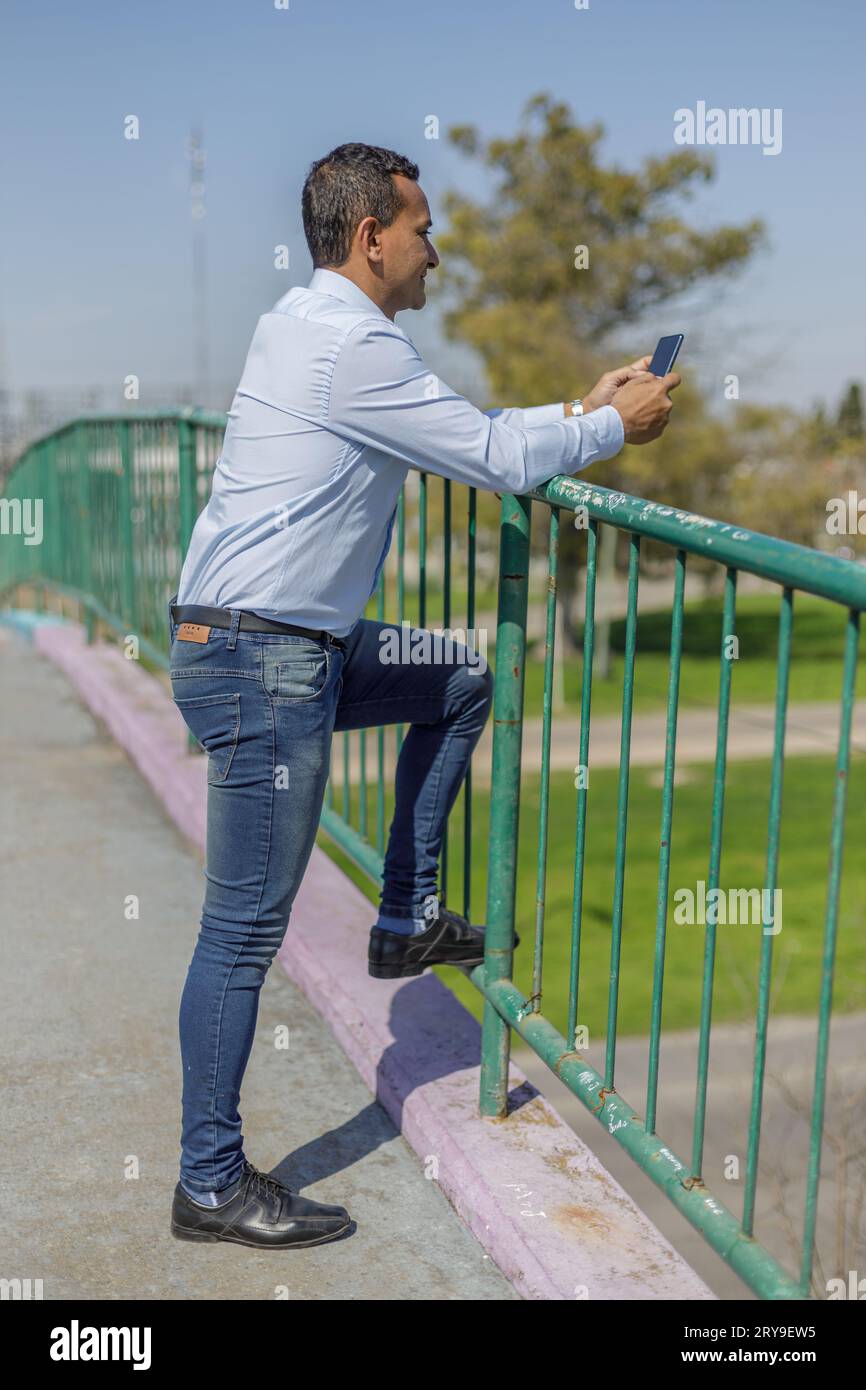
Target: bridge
{"points": [[673, 1069]]}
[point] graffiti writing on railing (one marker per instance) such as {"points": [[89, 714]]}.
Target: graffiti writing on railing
{"points": [[584, 493]]}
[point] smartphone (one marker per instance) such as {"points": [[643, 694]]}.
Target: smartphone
{"points": [[665, 354]]}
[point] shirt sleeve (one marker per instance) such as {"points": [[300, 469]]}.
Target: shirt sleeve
{"points": [[382, 394], [526, 417]]}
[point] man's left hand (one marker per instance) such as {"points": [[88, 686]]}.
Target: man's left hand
{"points": [[606, 387]]}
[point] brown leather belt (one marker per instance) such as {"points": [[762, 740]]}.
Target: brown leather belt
{"points": [[201, 615]]}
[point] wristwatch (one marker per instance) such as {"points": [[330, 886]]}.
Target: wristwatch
{"points": [[576, 407]]}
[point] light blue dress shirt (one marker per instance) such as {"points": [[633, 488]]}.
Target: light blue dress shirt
{"points": [[334, 407]]}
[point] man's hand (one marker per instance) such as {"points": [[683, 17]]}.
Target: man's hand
{"points": [[607, 386], [645, 406]]}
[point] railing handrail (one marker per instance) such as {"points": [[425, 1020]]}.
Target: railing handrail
{"points": [[171, 415], [784, 562]]}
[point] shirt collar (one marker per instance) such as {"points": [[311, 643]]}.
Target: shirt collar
{"points": [[341, 287]]}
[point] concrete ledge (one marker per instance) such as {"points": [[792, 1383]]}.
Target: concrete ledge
{"points": [[536, 1198]]}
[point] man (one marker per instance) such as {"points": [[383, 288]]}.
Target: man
{"points": [[270, 655]]}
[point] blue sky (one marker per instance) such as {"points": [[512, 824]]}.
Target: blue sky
{"points": [[95, 235]]}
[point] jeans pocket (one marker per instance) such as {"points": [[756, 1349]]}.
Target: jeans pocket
{"points": [[215, 723], [295, 671]]}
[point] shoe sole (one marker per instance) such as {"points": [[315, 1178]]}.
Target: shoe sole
{"points": [[183, 1233], [395, 972]]}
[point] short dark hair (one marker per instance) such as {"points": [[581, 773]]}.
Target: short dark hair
{"points": [[349, 184]]}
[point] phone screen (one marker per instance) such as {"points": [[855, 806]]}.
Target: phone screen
{"points": [[665, 354]]}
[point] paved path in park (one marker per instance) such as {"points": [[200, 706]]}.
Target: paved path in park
{"points": [[812, 728], [92, 1089]]}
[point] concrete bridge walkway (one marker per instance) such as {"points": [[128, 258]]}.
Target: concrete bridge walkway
{"points": [[92, 1095]]}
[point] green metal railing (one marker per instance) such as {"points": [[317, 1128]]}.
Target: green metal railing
{"points": [[121, 495], [794, 568]]}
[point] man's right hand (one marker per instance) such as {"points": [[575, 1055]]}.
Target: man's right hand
{"points": [[645, 406]]}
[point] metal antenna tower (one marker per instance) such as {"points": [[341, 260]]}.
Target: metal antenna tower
{"points": [[197, 210]]}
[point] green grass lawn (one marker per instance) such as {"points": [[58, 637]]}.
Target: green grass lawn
{"points": [[797, 949], [816, 658], [816, 655], [486, 595]]}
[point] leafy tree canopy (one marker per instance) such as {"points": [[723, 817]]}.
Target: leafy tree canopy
{"points": [[517, 297]]}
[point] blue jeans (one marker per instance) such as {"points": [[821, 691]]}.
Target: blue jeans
{"points": [[264, 706]]}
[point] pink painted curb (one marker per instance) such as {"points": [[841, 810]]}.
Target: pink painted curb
{"points": [[534, 1195]]}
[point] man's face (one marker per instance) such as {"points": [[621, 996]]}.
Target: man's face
{"points": [[408, 252]]}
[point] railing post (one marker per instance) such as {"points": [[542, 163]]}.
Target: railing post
{"points": [[56, 538], [186, 481], [41, 479], [127, 552], [80, 438], [516, 516], [187, 492]]}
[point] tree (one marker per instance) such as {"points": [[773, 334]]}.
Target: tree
{"points": [[567, 254], [779, 484], [520, 301], [850, 419]]}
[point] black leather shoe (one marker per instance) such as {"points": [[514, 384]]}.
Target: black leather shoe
{"points": [[263, 1212], [449, 940]]}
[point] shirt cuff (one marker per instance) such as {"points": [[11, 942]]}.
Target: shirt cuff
{"points": [[607, 427], [543, 414]]}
